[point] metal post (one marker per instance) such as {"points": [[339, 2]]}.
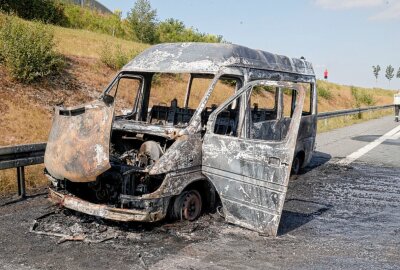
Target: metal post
{"points": [[21, 181]]}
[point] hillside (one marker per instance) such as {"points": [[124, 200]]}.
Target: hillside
{"points": [[333, 96], [26, 110], [77, 42]]}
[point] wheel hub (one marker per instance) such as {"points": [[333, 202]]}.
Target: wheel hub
{"points": [[191, 206]]}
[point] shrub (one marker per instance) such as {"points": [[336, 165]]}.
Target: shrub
{"points": [[48, 11], [27, 49], [324, 93], [84, 18], [115, 57], [362, 97], [172, 30], [367, 99]]}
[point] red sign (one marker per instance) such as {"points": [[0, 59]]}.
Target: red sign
{"points": [[326, 74]]}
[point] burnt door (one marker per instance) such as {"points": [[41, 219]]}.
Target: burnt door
{"points": [[250, 174]]}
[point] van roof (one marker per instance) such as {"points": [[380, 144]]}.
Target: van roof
{"points": [[211, 57]]}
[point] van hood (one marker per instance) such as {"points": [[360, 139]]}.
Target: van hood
{"points": [[78, 148]]}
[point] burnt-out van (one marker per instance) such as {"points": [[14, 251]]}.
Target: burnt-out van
{"points": [[183, 126]]}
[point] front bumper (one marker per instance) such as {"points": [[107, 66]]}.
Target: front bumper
{"points": [[103, 211]]}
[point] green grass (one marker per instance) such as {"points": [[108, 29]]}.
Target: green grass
{"points": [[84, 43], [90, 44]]}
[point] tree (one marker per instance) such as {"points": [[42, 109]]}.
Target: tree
{"points": [[115, 23], [398, 73], [143, 20], [389, 73], [376, 70], [171, 30]]}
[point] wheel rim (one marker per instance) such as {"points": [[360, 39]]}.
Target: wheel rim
{"points": [[191, 206]]}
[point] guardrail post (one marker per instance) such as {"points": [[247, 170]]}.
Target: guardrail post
{"points": [[21, 181]]}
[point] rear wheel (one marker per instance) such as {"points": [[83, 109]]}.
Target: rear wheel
{"points": [[296, 165], [187, 205]]}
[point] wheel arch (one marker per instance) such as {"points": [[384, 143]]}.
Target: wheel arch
{"points": [[207, 191], [302, 154]]}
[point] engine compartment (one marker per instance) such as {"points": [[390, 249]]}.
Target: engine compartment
{"points": [[131, 156]]}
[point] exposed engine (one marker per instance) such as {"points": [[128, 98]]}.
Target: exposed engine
{"points": [[148, 153], [130, 159]]}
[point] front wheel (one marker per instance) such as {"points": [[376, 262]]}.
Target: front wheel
{"points": [[187, 205]]}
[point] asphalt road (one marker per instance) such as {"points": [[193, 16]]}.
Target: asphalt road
{"points": [[342, 142], [336, 216]]}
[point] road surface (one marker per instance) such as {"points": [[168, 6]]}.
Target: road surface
{"points": [[337, 215]]}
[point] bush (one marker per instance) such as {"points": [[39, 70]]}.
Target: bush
{"points": [[27, 49], [84, 18], [367, 99], [48, 11], [115, 57], [172, 30], [362, 97], [324, 93]]}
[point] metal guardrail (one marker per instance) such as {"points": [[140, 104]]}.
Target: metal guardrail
{"points": [[19, 156], [325, 115]]}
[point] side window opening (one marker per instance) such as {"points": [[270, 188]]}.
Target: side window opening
{"points": [[227, 121], [289, 105], [166, 105], [307, 108], [267, 114], [265, 118], [125, 92], [263, 103], [225, 88], [174, 98], [272, 121]]}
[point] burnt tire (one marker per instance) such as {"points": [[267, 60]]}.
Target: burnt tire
{"points": [[296, 164], [187, 206]]}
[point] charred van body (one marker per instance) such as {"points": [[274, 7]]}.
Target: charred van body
{"points": [[144, 150]]}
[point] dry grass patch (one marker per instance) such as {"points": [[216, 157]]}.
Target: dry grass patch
{"points": [[23, 123], [34, 179], [325, 125], [26, 110], [343, 97]]}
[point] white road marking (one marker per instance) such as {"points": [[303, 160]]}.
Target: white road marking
{"points": [[362, 151]]}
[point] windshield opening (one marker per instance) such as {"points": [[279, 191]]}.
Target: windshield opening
{"points": [[125, 91], [169, 99]]}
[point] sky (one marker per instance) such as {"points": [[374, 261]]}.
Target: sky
{"points": [[347, 37]]}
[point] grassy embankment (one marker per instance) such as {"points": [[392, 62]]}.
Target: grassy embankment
{"points": [[26, 109], [333, 97]]}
